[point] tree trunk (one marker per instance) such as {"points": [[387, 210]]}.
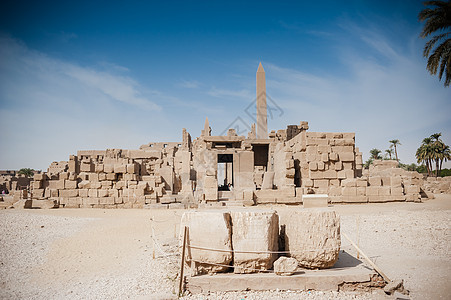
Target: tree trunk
{"points": [[436, 167], [396, 154]]}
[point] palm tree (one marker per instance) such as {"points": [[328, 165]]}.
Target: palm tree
{"points": [[437, 148], [26, 172], [438, 24], [375, 153], [389, 152], [425, 153], [445, 155], [395, 143]]}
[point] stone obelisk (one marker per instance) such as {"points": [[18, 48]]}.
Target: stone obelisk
{"points": [[262, 115]]}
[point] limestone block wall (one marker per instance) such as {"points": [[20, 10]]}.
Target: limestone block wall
{"points": [[116, 178], [438, 185]]}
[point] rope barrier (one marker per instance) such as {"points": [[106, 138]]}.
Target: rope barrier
{"points": [[249, 251]]}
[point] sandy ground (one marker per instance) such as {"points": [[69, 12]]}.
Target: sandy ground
{"points": [[108, 254]]}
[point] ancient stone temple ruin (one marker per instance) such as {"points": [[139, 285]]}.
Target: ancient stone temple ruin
{"points": [[260, 168]]}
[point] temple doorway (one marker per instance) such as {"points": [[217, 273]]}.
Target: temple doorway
{"points": [[225, 172]]}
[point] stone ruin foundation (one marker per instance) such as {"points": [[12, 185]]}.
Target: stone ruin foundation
{"points": [[231, 170]]}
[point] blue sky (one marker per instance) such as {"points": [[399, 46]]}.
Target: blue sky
{"points": [[116, 74]]}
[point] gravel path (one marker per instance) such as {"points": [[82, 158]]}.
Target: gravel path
{"points": [[107, 254]]}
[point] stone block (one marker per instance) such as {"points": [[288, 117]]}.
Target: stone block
{"points": [[210, 182], [346, 156], [83, 192], [102, 193], [321, 183], [285, 266], [84, 184], [335, 191], [334, 182], [70, 184], [254, 231], [315, 200], [106, 184], [341, 174], [333, 156], [397, 190], [372, 191], [307, 182], [412, 189], [132, 168], [209, 229], [349, 173], [74, 202], [384, 191], [87, 167], [386, 181], [313, 166], [396, 181], [290, 173], [375, 181], [92, 193], [312, 236], [360, 182], [361, 191], [99, 168], [64, 175], [349, 191], [374, 198], [321, 166], [39, 176], [102, 176], [68, 193], [120, 168], [45, 204], [108, 168], [38, 193], [338, 166], [354, 199], [106, 200], [89, 202], [111, 176], [348, 165], [349, 182], [36, 184], [268, 181]]}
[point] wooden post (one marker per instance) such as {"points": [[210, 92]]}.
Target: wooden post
{"points": [[182, 266], [378, 270]]}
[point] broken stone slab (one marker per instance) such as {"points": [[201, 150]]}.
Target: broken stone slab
{"points": [[313, 237], [45, 204], [254, 230], [23, 203], [285, 266], [268, 181], [207, 229]]}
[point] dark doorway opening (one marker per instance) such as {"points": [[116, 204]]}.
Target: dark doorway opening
{"points": [[225, 172], [261, 155]]}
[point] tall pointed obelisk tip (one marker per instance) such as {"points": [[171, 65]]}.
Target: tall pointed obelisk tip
{"points": [[260, 68]]}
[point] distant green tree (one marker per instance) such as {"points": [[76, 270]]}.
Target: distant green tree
{"points": [[26, 172], [395, 143], [389, 153], [375, 153], [438, 25], [425, 154]]}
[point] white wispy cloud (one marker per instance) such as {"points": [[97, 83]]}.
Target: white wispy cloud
{"points": [[50, 108], [189, 84], [379, 99]]}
